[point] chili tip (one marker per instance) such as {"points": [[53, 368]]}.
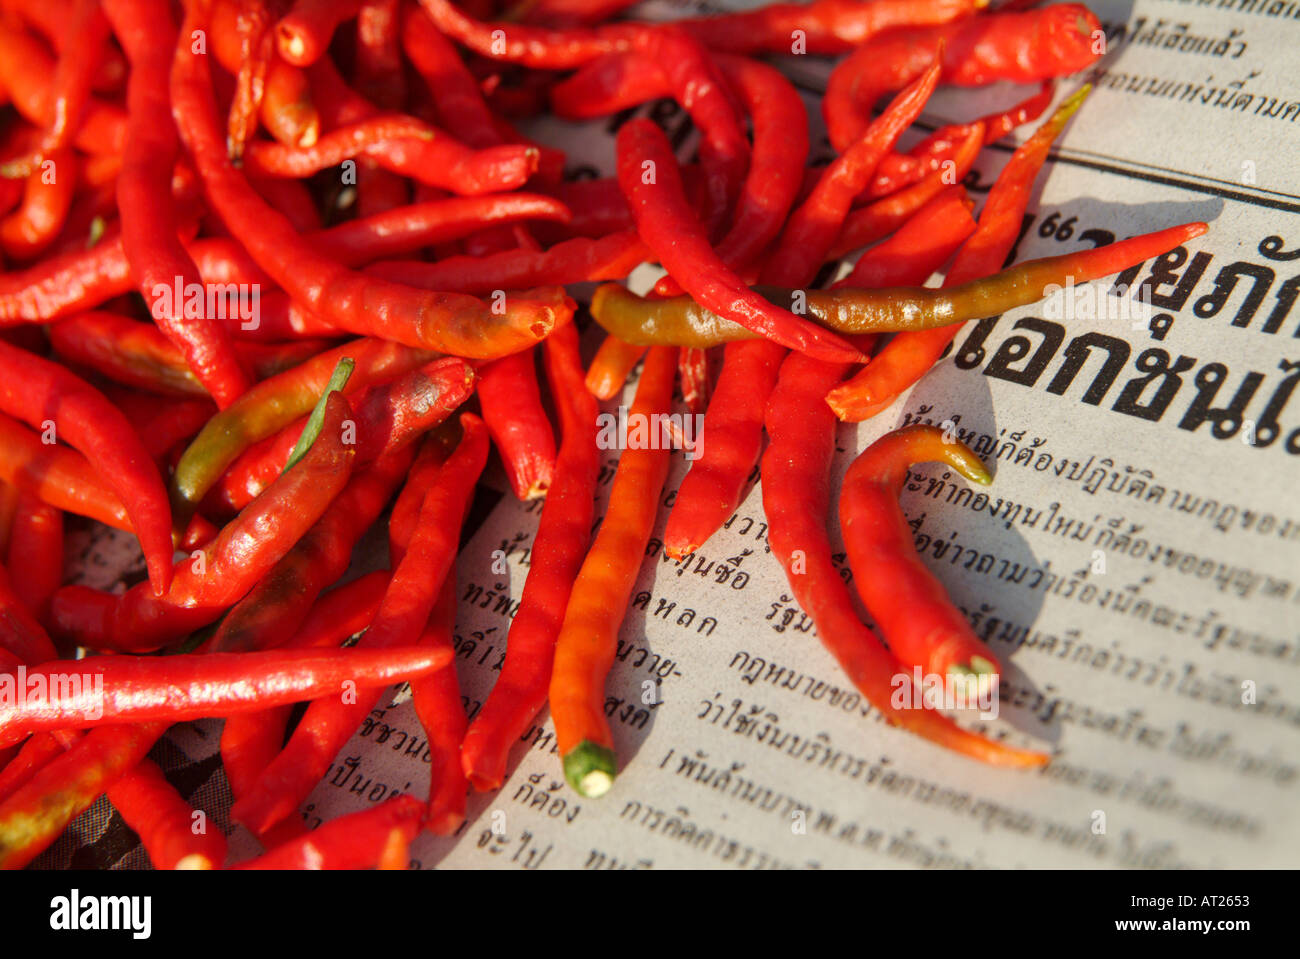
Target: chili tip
{"points": [[590, 769]]}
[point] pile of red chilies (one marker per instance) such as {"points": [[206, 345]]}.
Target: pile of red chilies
{"points": [[386, 249]]}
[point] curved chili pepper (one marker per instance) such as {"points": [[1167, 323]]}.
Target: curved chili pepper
{"points": [[289, 113], [647, 171], [155, 811], [275, 403], [584, 649], [557, 555], [355, 841], [456, 95], [512, 410], [874, 221], [328, 723], [303, 34], [249, 741], [796, 494], [920, 247], [452, 323], [824, 26], [907, 358], [35, 815], [252, 32], [681, 321], [34, 756], [139, 689], [47, 196], [919, 621], [38, 391], [57, 475], [35, 553], [387, 417], [531, 46], [159, 263], [279, 603], [229, 567], [1023, 47]]}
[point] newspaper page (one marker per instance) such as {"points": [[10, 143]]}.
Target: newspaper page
{"points": [[1135, 563]]}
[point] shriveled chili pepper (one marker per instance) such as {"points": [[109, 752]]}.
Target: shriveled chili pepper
{"points": [[303, 34], [35, 815], [252, 32], [387, 417], [158, 261], [796, 494], [907, 358], [275, 403], [579, 260], [870, 223], [109, 690], [557, 554], [249, 741], [610, 367], [681, 321], [204, 587], [36, 391], [328, 723], [165, 822], [278, 604], [355, 841], [650, 180], [451, 323], [59, 476], [512, 410], [584, 650], [1023, 47], [920, 623], [35, 553], [824, 26]]}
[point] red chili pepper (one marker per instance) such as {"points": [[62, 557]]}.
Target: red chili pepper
{"points": [[249, 741], [20, 633], [40, 392], [35, 554], [328, 723], [579, 260], [874, 221], [824, 26], [584, 649], [64, 284], [911, 607], [649, 177], [281, 601], [303, 34], [441, 712], [456, 95], [450, 323], [110, 690], [387, 417], [35, 815], [29, 230], [920, 247], [57, 475], [796, 480], [289, 112], [557, 554], [1021, 47], [355, 841], [159, 263], [291, 199], [165, 822], [205, 586], [35, 755], [512, 410], [251, 31], [910, 355]]}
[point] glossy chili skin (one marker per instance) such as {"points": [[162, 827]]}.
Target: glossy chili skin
{"points": [[40, 392], [401, 618], [159, 262], [512, 410], [207, 584], [584, 650], [355, 841], [139, 689], [165, 822], [557, 554], [681, 321]]}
